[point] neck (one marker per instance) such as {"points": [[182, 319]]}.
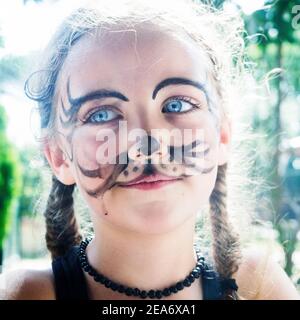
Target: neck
{"points": [[152, 261]]}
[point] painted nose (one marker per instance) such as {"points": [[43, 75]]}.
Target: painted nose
{"points": [[149, 145]]}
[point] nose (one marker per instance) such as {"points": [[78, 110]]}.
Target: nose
{"points": [[149, 145]]}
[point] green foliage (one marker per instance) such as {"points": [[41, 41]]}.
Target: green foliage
{"points": [[276, 46], [10, 183], [214, 3], [11, 68], [278, 41], [291, 55], [32, 180], [3, 120], [274, 22]]}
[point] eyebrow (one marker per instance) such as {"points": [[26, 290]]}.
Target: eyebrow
{"points": [[76, 103], [179, 81]]}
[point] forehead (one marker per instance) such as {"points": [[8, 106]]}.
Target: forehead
{"points": [[131, 59]]}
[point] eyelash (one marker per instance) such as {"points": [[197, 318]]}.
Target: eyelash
{"points": [[90, 113], [196, 106], [185, 99]]}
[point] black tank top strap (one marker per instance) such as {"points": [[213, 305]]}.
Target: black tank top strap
{"points": [[69, 279], [214, 287], [211, 286]]}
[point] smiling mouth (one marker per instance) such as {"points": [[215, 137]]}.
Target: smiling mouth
{"points": [[147, 182], [142, 185], [153, 178]]}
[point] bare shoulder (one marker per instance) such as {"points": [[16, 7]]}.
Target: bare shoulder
{"points": [[260, 277], [27, 284]]}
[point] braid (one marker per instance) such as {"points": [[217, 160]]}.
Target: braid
{"points": [[61, 226], [226, 246]]}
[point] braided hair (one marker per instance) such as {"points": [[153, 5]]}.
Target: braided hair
{"points": [[62, 230], [226, 246]]}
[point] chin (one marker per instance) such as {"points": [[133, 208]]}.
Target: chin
{"points": [[154, 217]]}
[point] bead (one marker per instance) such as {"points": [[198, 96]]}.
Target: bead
{"points": [[121, 289], [97, 277], [179, 285], [158, 294], [186, 282], [191, 278], [200, 265], [102, 279], [114, 286], [87, 268], [173, 289], [166, 292], [151, 294], [128, 291], [92, 272], [107, 283], [196, 274], [136, 292], [143, 294]]}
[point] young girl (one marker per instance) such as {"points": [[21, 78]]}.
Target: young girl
{"points": [[133, 98]]}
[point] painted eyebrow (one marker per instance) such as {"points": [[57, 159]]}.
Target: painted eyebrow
{"points": [[179, 81], [76, 103]]}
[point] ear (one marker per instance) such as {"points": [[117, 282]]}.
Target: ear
{"points": [[225, 141], [59, 163]]}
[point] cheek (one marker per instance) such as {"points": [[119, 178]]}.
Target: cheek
{"points": [[90, 171], [85, 147], [97, 146], [201, 187], [202, 121], [203, 127]]}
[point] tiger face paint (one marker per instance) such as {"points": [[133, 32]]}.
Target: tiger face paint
{"points": [[141, 106]]}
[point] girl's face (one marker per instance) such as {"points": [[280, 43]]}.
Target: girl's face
{"points": [[132, 106]]}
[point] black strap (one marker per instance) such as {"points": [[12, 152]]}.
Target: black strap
{"points": [[211, 287], [214, 286], [69, 279], [70, 283]]}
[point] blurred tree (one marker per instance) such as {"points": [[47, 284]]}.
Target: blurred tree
{"points": [[277, 48], [9, 180], [31, 180], [33, 183], [11, 67], [214, 3]]}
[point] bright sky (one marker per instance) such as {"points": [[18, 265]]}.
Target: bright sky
{"points": [[28, 28]]}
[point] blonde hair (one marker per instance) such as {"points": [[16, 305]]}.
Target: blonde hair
{"points": [[220, 34]]}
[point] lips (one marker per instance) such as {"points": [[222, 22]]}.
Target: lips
{"points": [[150, 179]]}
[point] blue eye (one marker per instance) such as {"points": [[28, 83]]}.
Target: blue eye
{"points": [[102, 116], [178, 105]]}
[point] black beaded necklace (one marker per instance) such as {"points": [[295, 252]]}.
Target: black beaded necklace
{"points": [[153, 294]]}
